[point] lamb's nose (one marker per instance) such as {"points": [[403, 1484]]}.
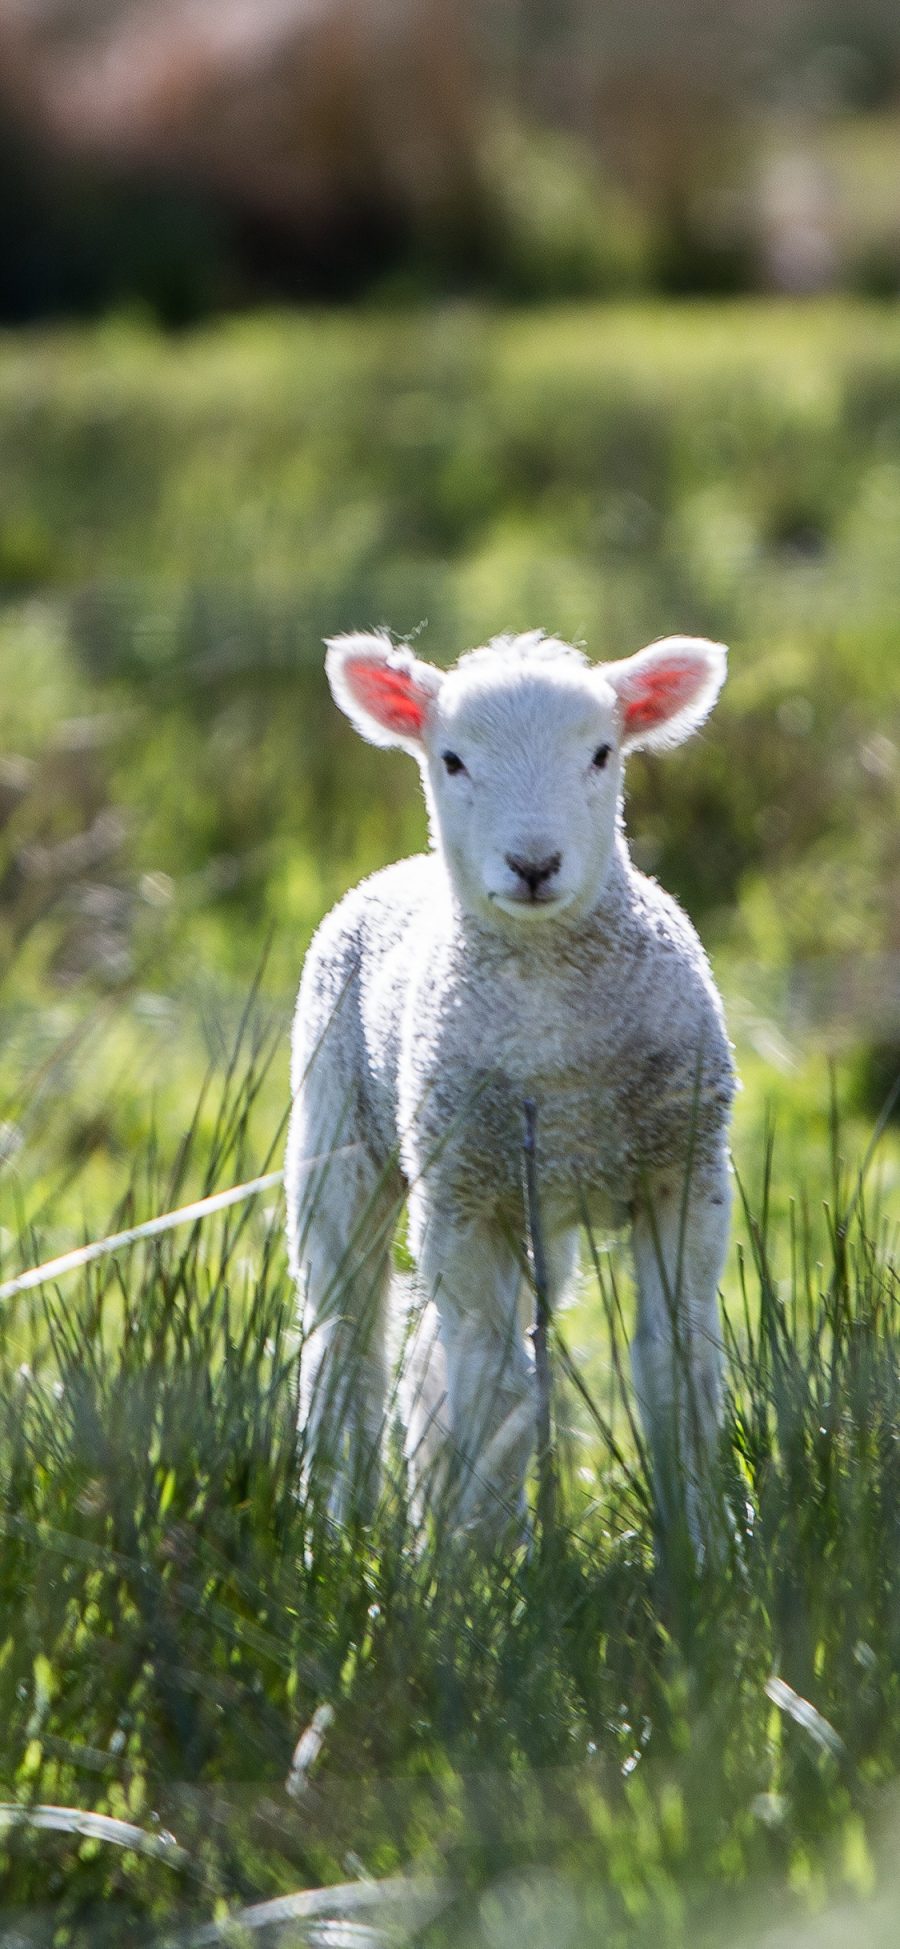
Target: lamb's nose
{"points": [[534, 871]]}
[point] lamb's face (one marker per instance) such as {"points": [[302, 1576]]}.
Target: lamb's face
{"points": [[521, 749], [523, 774]]}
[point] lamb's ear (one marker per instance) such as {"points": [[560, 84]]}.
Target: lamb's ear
{"points": [[667, 690], [385, 691]]}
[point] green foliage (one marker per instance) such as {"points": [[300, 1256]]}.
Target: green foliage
{"points": [[182, 523], [575, 1740], [557, 228], [192, 517]]}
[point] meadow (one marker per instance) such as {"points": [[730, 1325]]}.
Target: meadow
{"points": [[561, 1745]]}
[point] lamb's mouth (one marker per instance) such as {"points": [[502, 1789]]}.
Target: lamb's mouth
{"points": [[531, 906]]}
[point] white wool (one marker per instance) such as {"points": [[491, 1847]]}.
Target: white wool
{"points": [[523, 957]]}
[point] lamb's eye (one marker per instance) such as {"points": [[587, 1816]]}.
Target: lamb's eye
{"points": [[452, 762], [600, 756]]}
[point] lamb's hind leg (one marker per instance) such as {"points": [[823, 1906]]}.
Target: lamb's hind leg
{"points": [[680, 1239], [342, 1210]]}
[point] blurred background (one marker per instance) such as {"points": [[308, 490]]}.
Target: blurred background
{"points": [[331, 313], [190, 155]]}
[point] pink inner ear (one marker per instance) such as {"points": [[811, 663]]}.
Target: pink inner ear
{"points": [[658, 692], [391, 696]]}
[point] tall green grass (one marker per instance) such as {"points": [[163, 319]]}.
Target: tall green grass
{"points": [[579, 1748]]}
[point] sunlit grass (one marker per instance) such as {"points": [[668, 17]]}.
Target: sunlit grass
{"points": [[585, 1756], [581, 1735]]}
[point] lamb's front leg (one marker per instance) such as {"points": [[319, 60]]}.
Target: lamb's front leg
{"points": [[341, 1209], [680, 1240], [472, 1429]]}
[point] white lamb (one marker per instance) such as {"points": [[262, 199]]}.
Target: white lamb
{"points": [[523, 957]]}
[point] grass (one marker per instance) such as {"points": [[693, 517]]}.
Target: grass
{"points": [[184, 519], [565, 1741], [584, 1753]]}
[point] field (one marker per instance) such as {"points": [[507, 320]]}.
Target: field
{"points": [[564, 1745]]}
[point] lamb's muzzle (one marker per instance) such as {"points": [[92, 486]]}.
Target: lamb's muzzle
{"points": [[535, 873]]}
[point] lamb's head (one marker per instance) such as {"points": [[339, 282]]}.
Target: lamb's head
{"points": [[521, 747]]}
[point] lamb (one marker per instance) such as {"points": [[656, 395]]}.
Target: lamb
{"points": [[523, 957]]}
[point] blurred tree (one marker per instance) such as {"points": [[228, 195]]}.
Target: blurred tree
{"points": [[316, 119], [327, 143]]}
